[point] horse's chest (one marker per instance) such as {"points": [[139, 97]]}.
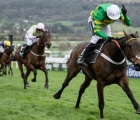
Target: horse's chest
{"points": [[115, 77], [39, 63]]}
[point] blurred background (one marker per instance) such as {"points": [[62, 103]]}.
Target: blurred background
{"points": [[67, 20]]}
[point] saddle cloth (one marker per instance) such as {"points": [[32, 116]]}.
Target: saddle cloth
{"points": [[92, 56], [22, 47]]}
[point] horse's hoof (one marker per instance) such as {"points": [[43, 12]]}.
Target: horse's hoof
{"points": [[46, 86], [24, 87], [33, 80], [138, 110], [56, 96], [76, 107], [27, 85]]}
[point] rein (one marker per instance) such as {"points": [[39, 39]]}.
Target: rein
{"points": [[39, 41], [109, 59], [128, 50], [5, 54]]}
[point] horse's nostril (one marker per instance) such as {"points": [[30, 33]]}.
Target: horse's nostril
{"points": [[48, 45]]}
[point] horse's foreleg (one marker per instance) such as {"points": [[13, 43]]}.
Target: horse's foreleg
{"points": [[4, 70], [1, 70], [22, 73], [100, 88], [27, 74], [10, 70], [82, 90], [35, 73], [125, 87], [46, 79], [70, 74]]}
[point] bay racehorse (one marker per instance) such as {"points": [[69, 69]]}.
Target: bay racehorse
{"points": [[8, 68], [106, 70], [35, 59], [5, 60]]}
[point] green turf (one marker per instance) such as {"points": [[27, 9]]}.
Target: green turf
{"points": [[37, 103]]}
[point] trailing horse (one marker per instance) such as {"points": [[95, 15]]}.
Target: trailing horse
{"points": [[109, 68], [35, 59], [5, 60]]}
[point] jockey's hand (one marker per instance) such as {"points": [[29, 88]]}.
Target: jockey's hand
{"points": [[38, 36], [124, 10], [110, 38]]}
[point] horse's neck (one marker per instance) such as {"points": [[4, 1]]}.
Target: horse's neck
{"points": [[114, 52], [8, 52], [37, 48]]}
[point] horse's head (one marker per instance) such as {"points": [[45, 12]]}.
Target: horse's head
{"points": [[9, 50], [46, 38], [133, 49]]}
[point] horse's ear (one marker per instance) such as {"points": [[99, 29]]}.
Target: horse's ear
{"points": [[137, 34], [126, 35]]}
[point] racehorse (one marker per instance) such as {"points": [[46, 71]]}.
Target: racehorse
{"points": [[35, 59], [106, 70], [5, 60], [9, 66]]}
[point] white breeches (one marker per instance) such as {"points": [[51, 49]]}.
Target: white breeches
{"points": [[2, 49], [30, 41], [95, 38]]}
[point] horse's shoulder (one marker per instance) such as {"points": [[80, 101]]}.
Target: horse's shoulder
{"points": [[81, 45]]}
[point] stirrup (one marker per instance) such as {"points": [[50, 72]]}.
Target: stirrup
{"points": [[80, 62]]}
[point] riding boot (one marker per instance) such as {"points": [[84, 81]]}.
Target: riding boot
{"points": [[24, 51], [81, 59], [1, 54]]}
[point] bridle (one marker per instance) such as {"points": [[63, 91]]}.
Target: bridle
{"points": [[127, 50], [7, 49], [129, 54], [42, 39]]}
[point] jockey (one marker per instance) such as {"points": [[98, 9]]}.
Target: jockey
{"points": [[99, 21], [32, 36], [4, 44]]}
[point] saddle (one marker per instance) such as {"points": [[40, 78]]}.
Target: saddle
{"points": [[22, 47], [92, 56]]}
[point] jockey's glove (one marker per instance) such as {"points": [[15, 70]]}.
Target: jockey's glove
{"points": [[38, 36], [124, 10], [110, 38]]}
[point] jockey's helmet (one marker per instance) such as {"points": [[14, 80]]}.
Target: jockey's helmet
{"points": [[7, 43], [40, 26], [113, 12]]}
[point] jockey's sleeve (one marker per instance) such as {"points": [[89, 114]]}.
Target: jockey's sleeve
{"points": [[30, 33], [1, 44], [102, 35], [100, 20], [125, 19]]}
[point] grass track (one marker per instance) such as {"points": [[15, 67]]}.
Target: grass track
{"points": [[37, 103]]}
